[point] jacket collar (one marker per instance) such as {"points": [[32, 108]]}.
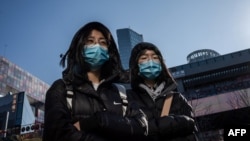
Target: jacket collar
{"points": [[86, 85], [160, 90]]}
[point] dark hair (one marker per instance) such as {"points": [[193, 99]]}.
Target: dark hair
{"points": [[136, 52], [76, 65]]}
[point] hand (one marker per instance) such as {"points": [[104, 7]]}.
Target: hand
{"points": [[111, 123], [97, 121], [135, 112], [77, 125], [176, 124], [88, 124]]}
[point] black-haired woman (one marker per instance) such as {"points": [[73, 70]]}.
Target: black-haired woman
{"points": [[153, 88], [85, 105]]}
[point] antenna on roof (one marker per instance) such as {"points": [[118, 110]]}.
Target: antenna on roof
{"points": [[4, 49]]}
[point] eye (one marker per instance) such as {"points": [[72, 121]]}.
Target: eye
{"points": [[156, 57], [90, 41], [143, 57], [103, 42]]}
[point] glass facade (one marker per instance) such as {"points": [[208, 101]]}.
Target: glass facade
{"points": [[218, 89], [14, 79], [127, 39]]}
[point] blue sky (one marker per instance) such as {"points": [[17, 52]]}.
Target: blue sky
{"points": [[33, 33]]}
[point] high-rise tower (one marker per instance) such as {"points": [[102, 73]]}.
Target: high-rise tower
{"points": [[127, 39]]}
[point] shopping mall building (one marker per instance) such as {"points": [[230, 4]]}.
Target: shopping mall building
{"points": [[22, 97], [218, 88]]}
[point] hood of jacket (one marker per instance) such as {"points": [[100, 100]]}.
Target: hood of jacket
{"points": [[135, 79]]}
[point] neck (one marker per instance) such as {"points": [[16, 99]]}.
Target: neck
{"points": [[150, 83], [94, 76]]}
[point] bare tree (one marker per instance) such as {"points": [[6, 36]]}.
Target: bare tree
{"points": [[197, 105], [239, 99]]}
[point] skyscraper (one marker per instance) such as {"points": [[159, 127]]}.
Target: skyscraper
{"points": [[127, 39]]}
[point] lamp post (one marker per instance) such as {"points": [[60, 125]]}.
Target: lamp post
{"points": [[6, 123]]}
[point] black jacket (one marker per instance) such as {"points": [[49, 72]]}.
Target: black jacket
{"points": [[174, 127], [99, 113]]}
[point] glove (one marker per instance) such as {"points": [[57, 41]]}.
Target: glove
{"points": [[98, 120], [104, 122], [135, 122], [176, 125], [136, 113], [93, 137], [152, 127], [90, 123]]}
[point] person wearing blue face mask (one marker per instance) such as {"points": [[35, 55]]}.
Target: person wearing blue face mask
{"points": [[85, 105], [95, 54], [150, 69], [153, 89]]}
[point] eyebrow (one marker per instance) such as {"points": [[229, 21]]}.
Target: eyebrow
{"points": [[94, 37], [149, 54]]}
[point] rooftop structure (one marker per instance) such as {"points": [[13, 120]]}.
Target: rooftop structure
{"points": [[202, 54]]}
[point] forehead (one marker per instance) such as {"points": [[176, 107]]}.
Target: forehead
{"points": [[95, 32], [148, 52]]}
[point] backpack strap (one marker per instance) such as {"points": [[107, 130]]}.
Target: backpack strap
{"points": [[123, 95], [166, 106], [121, 89], [69, 94]]}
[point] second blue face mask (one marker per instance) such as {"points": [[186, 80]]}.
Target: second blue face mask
{"points": [[95, 55], [150, 69]]}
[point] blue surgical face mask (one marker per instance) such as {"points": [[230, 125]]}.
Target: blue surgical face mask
{"points": [[150, 69], [95, 55]]}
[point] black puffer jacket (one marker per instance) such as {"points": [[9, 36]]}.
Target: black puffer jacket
{"points": [[178, 126], [99, 113]]}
